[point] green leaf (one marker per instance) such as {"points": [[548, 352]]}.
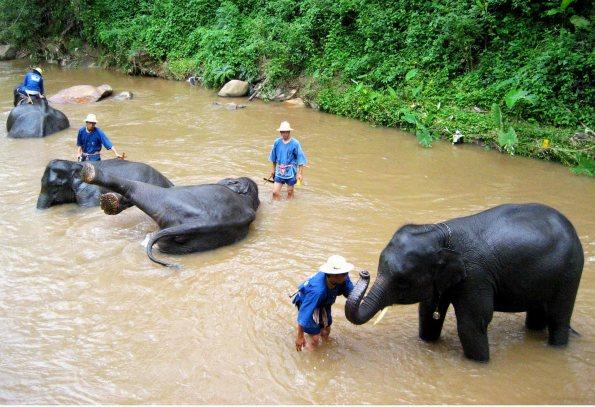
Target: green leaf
{"points": [[410, 118], [392, 92], [411, 74], [580, 22], [415, 91], [497, 113], [514, 95], [564, 4], [508, 140], [423, 136], [585, 166], [553, 12]]}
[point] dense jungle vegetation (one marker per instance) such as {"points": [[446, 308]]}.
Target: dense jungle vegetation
{"points": [[509, 74]]}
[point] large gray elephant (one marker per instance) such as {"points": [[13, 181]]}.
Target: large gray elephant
{"points": [[511, 258], [35, 120], [191, 218], [61, 182]]}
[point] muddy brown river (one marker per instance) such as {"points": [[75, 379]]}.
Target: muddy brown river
{"points": [[85, 317]]}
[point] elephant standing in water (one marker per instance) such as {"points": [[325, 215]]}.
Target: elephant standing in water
{"points": [[35, 120], [192, 218], [61, 182], [511, 258]]}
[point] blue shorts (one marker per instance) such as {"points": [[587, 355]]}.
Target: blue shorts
{"points": [[290, 181]]}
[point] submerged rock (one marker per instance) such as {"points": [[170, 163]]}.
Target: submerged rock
{"points": [[124, 96], [297, 102], [229, 106]]}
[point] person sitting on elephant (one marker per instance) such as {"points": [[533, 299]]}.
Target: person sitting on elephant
{"points": [[32, 86], [90, 139], [288, 162], [315, 297]]}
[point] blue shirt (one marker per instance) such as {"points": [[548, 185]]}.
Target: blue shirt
{"points": [[287, 157], [314, 294], [33, 82], [91, 142]]}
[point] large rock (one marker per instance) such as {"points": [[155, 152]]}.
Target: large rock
{"points": [[234, 88], [81, 94], [7, 52]]}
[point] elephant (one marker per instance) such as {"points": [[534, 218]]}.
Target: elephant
{"points": [[191, 218], [510, 258], [35, 120], [61, 182]]}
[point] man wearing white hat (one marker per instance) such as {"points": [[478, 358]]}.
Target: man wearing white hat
{"points": [[315, 297], [288, 162], [90, 139]]}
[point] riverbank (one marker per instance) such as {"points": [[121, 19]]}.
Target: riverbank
{"points": [[445, 72]]}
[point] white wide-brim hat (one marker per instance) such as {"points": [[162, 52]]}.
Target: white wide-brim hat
{"points": [[336, 265], [284, 126], [91, 118]]}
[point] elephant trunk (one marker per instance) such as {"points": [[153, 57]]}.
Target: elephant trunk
{"points": [[360, 311]]}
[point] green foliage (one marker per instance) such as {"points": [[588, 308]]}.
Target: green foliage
{"points": [[429, 66], [585, 165]]}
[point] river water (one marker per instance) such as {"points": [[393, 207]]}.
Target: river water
{"points": [[85, 317]]}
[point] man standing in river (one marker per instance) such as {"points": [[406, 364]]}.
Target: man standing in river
{"points": [[288, 162], [90, 139], [315, 297]]}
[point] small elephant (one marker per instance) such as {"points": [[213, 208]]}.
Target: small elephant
{"points": [[61, 182], [191, 218], [35, 120], [511, 258]]}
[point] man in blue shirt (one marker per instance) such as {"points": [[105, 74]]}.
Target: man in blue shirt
{"points": [[90, 139], [315, 298], [288, 162], [32, 86]]}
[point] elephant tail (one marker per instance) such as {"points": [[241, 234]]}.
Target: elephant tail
{"points": [[185, 229]]}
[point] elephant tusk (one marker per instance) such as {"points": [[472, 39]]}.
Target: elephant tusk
{"points": [[382, 314]]}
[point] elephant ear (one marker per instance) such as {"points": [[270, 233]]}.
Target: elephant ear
{"points": [[450, 270]]}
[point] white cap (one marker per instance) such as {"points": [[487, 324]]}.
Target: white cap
{"points": [[336, 265], [38, 69], [284, 126], [91, 118]]}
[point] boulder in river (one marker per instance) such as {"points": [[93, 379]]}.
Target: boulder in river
{"points": [[234, 88], [81, 94], [297, 102]]}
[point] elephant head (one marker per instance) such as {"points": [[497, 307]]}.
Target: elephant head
{"points": [[243, 186], [415, 266], [58, 183]]}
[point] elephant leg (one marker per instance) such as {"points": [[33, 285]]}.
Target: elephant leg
{"points": [[473, 317], [558, 317], [146, 197], [430, 328], [113, 203], [536, 318]]}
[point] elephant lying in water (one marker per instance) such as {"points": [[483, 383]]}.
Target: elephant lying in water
{"points": [[511, 258], [61, 182], [35, 120], [192, 218]]}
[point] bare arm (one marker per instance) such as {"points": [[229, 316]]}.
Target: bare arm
{"points": [[300, 340], [79, 152], [116, 153], [273, 171], [300, 174]]}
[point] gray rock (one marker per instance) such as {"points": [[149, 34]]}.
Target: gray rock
{"points": [[7, 52], [234, 88], [124, 96]]}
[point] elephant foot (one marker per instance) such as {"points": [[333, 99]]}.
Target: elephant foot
{"points": [[88, 173], [110, 203]]}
